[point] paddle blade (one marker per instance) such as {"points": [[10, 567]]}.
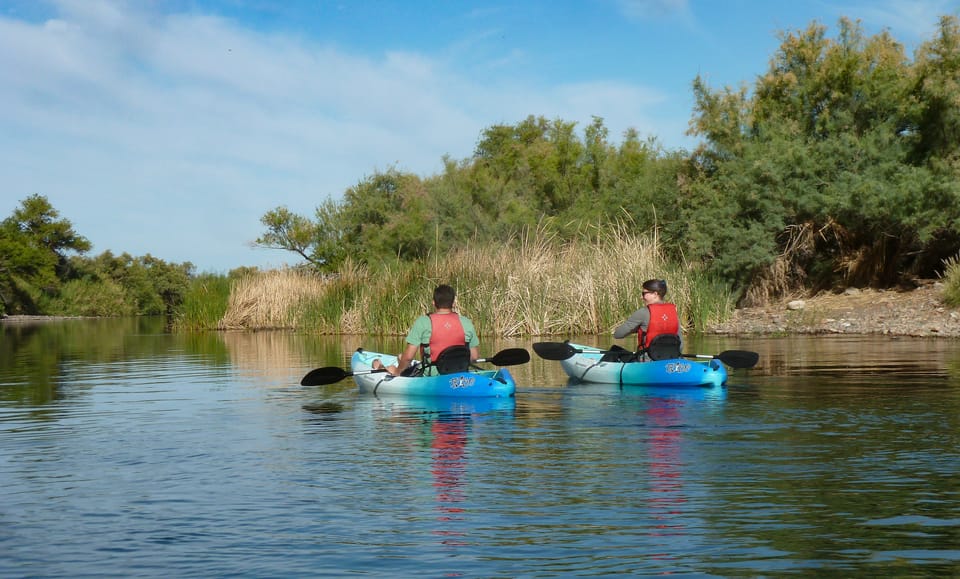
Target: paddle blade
{"points": [[554, 350], [509, 357], [321, 376], [739, 358]]}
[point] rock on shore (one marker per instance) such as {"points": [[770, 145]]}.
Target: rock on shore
{"points": [[919, 312]]}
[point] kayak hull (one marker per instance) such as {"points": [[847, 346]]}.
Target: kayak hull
{"points": [[587, 366], [497, 383]]}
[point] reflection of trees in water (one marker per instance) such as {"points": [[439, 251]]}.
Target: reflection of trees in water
{"points": [[850, 356], [40, 360], [278, 353]]}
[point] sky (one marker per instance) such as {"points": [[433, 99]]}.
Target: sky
{"points": [[170, 127]]}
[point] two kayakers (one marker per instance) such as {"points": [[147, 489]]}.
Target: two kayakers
{"points": [[433, 333], [656, 318]]}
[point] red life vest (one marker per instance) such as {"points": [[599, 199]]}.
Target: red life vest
{"points": [[663, 320], [445, 331]]}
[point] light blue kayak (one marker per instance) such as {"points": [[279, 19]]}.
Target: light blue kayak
{"points": [[586, 366], [474, 383]]}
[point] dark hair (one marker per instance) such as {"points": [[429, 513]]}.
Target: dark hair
{"points": [[443, 296], [656, 285]]}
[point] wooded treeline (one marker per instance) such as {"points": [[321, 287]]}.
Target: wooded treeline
{"points": [[838, 167], [43, 271]]}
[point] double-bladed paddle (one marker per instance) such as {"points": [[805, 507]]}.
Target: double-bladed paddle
{"points": [[331, 374], [563, 350]]}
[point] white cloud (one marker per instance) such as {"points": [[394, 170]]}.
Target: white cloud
{"points": [[913, 21], [646, 9], [173, 133]]}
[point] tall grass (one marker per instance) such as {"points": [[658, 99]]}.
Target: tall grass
{"points": [[204, 303], [951, 281], [270, 300], [531, 286]]}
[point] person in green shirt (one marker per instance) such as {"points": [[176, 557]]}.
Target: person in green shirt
{"points": [[434, 332]]}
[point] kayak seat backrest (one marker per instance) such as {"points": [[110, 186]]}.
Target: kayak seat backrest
{"points": [[453, 359], [664, 347]]}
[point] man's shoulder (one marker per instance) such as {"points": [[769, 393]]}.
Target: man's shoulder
{"points": [[422, 320]]}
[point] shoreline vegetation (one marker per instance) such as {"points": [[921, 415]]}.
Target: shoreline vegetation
{"points": [[532, 286], [541, 286]]}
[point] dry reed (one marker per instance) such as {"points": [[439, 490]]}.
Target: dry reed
{"points": [[531, 286], [270, 300]]}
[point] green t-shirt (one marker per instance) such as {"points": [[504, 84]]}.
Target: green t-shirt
{"points": [[420, 332]]}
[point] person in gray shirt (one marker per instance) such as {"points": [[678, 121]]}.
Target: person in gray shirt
{"points": [[656, 318]]}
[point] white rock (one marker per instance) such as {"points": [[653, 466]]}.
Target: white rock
{"points": [[796, 305]]}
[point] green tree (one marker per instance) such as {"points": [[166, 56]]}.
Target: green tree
{"points": [[35, 243], [936, 86], [814, 168], [387, 214], [321, 242], [122, 285], [536, 161]]}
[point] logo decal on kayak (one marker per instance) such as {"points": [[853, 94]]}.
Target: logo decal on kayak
{"points": [[461, 382], [678, 367]]}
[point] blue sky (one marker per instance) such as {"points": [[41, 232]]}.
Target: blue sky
{"points": [[170, 127]]}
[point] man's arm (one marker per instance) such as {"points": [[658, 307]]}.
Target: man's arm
{"points": [[409, 353]]}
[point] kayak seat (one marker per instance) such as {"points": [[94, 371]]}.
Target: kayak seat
{"points": [[618, 354], [453, 359], [413, 370], [664, 347]]}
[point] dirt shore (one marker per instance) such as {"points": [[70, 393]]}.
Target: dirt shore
{"points": [[919, 312], [35, 319]]}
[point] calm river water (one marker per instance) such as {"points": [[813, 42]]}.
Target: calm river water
{"points": [[127, 451]]}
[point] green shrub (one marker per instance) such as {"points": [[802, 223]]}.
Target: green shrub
{"points": [[85, 297], [951, 281]]}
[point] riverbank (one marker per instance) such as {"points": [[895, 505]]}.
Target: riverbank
{"points": [[24, 320], [918, 312]]}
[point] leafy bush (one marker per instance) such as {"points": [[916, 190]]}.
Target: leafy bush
{"points": [[84, 297]]}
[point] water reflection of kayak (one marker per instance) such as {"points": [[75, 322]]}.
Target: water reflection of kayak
{"points": [[590, 389], [445, 405]]}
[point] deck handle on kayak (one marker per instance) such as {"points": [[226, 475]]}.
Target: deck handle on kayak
{"points": [[332, 374], [563, 350]]}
